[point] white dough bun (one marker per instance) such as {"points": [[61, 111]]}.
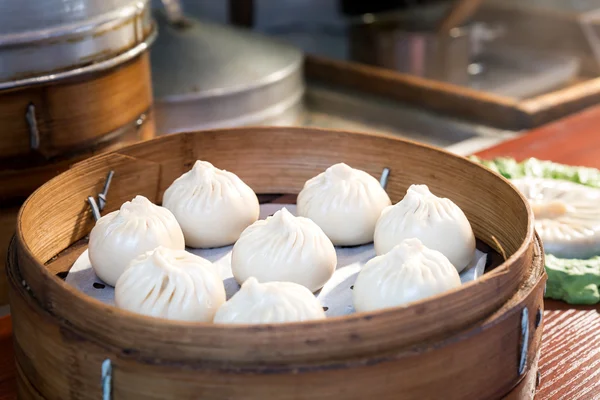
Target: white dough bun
{"points": [[437, 222], [171, 284], [407, 273], [284, 248], [120, 236], [345, 202], [270, 303], [212, 206]]}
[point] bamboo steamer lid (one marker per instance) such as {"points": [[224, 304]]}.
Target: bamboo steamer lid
{"points": [[488, 330]]}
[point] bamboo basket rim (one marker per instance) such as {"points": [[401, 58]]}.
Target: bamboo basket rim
{"points": [[282, 328]]}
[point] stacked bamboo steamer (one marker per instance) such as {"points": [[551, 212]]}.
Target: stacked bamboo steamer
{"points": [[74, 81]]}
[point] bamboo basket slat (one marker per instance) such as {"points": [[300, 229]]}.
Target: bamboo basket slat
{"points": [[20, 183], [172, 359], [76, 114], [150, 378]]}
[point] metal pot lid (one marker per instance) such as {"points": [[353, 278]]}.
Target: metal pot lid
{"points": [[194, 59], [42, 41], [209, 76]]}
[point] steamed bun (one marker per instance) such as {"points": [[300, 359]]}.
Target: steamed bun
{"points": [[269, 303], [171, 284], [407, 273], [284, 248], [120, 236], [437, 222], [212, 206], [345, 202]]}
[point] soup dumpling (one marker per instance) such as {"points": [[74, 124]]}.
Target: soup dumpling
{"points": [[171, 284], [212, 206], [284, 248], [437, 222], [270, 303], [120, 236], [407, 273], [345, 202]]}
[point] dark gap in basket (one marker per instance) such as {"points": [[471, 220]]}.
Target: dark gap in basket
{"points": [[267, 198], [62, 274], [494, 259], [279, 198], [353, 246], [325, 308], [98, 285], [352, 287], [129, 352]]}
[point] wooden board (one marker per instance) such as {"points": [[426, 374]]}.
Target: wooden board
{"points": [[573, 140], [456, 101], [570, 356]]}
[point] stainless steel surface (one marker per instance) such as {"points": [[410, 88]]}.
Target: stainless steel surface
{"points": [[41, 40], [335, 108], [173, 10], [211, 76], [459, 14], [557, 26], [521, 73]]}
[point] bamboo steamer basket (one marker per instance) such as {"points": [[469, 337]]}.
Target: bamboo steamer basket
{"points": [[75, 82], [479, 341]]}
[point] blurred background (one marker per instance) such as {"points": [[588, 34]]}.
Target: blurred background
{"points": [[463, 75]]}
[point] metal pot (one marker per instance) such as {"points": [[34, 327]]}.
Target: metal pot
{"points": [[211, 76], [408, 42], [444, 57]]}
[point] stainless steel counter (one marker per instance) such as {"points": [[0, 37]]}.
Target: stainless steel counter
{"points": [[335, 108]]}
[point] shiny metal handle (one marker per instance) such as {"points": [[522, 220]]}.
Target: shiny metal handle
{"points": [[174, 11]]}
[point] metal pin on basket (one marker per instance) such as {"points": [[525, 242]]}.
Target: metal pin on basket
{"points": [[97, 207], [384, 177], [106, 379], [94, 207], [102, 195]]}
